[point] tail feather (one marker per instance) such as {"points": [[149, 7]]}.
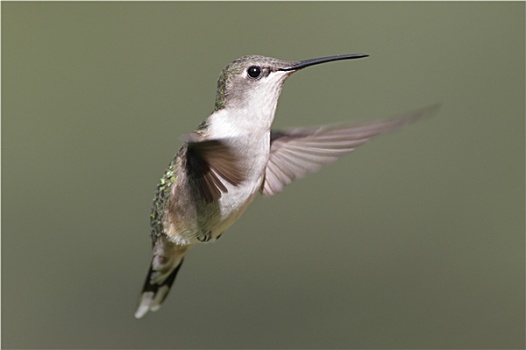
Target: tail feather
{"points": [[166, 261]]}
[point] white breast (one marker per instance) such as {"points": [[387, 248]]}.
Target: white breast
{"points": [[251, 144]]}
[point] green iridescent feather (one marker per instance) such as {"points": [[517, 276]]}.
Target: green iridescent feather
{"points": [[160, 200]]}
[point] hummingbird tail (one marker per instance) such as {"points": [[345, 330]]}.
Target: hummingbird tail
{"points": [[163, 269]]}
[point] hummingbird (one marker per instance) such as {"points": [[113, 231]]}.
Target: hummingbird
{"points": [[233, 156]]}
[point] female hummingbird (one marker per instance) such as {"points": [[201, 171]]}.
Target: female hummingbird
{"points": [[234, 155]]}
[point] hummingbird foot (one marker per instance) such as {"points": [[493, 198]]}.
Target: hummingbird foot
{"points": [[204, 236]]}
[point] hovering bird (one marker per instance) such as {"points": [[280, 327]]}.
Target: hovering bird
{"points": [[234, 155]]}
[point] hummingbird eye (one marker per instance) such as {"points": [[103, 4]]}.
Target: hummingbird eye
{"points": [[254, 72]]}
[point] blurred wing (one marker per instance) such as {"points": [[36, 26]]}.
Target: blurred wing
{"points": [[297, 152], [210, 163]]}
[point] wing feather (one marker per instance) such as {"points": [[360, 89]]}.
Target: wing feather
{"points": [[210, 163], [295, 153]]}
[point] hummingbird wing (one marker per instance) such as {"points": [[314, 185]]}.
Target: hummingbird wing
{"points": [[297, 152], [210, 161], [166, 262]]}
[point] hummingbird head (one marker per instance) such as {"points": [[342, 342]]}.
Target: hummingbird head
{"points": [[254, 82]]}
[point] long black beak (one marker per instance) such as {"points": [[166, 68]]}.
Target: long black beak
{"points": [[313, 61]]}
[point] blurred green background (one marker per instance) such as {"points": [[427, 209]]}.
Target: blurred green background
{"points": [[414, 241]]}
